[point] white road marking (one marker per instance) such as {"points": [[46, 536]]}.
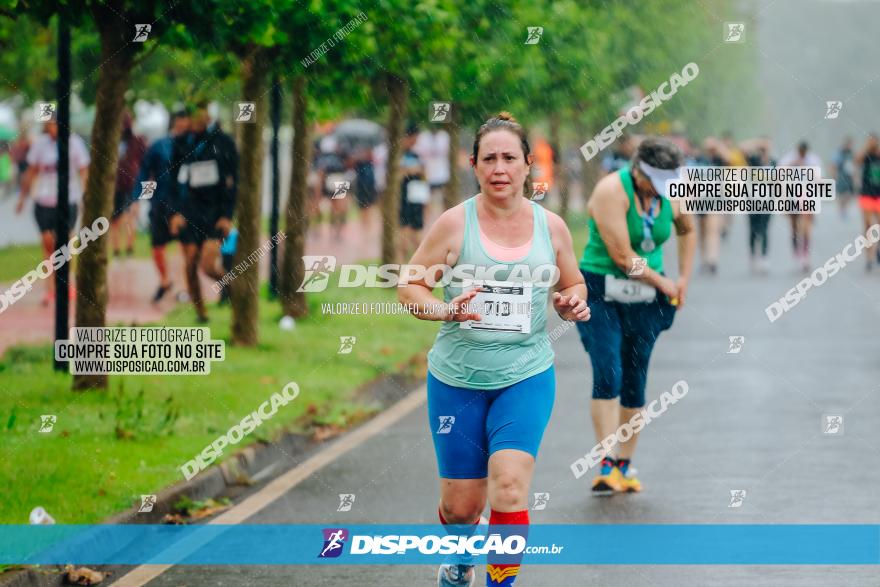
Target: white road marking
{"points": [[143, 574]]}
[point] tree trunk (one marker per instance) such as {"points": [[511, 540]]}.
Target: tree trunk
{"points": [[398, 91], [297, 221], [452, 193], [560, 163], [246, 286], [91, 272]]}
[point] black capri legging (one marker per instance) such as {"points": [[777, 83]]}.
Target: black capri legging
{"points": [[758, 224], [619, 339]]}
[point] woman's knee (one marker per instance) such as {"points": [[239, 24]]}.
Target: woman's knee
{"points": [[462, 508], [509, 491]]}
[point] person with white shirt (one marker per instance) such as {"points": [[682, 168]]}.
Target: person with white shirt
{"points": [[432, 147], [41, 182], [801, 224]]}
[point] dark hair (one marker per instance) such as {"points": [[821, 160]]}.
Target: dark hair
{"points": [[175, 116], [411, 129], [658, 152], [502, 121]]}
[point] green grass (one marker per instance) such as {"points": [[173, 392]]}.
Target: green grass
{"points": [[82, 472]]}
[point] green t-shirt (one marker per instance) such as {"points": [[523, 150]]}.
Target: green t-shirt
{"points": [[596, 258]]}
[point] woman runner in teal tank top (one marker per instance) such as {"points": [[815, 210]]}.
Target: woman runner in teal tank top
{"points": [[631, 299], [491, 381]]}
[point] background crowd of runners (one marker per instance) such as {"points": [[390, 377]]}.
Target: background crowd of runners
{"points": [[348, 171]]}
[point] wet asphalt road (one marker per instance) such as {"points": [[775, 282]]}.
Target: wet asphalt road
{"points": [[751, 420]]}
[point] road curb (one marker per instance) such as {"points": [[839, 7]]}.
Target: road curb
{"points": [[251, 465]]}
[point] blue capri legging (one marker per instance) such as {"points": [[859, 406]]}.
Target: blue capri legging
{"points": [[619, 339], [468, 425]]}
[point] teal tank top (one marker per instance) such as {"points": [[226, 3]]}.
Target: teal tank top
{"points": [[482, 360], [596, 258]]}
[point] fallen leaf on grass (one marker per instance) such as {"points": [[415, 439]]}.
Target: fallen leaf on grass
{"points": [[174, 519], [209, 510], [386, 350], [188, 510], [83, 576], [322, 433]]}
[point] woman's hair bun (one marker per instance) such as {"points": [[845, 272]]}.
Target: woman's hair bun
{"points": [[505, 115]]}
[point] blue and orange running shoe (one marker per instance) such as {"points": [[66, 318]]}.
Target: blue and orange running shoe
{"points": [[609, 477]]}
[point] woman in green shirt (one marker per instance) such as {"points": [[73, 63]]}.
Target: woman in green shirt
{"points": [[631, 299]]}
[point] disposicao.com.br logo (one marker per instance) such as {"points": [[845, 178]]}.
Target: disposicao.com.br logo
{"points": [[335, 538], [319, 268]]}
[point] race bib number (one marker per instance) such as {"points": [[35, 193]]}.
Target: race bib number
{"points": [[203, 174], [504, 306], [628, 291], [418, 192]]}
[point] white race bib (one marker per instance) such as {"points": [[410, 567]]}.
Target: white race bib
{"points": [[504, 306], [418, 192], [203, 174], [628, 291]]}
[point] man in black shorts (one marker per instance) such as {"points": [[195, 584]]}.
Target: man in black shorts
{"points": [[205, 197], [366, 192], [160, 166]]}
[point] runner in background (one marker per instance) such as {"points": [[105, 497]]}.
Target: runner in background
{"points": [[366, 190], [731, 151], [41, 181], [491, 380], [159, 165], [734, 157], [205, 196], [710, 224], [620, 154], [414, 195], [759, 223], [631, 299], [131, 152], [869, 199], [331, 174], [432, 148], [843, 172], [801, 224], [19, 151]]}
